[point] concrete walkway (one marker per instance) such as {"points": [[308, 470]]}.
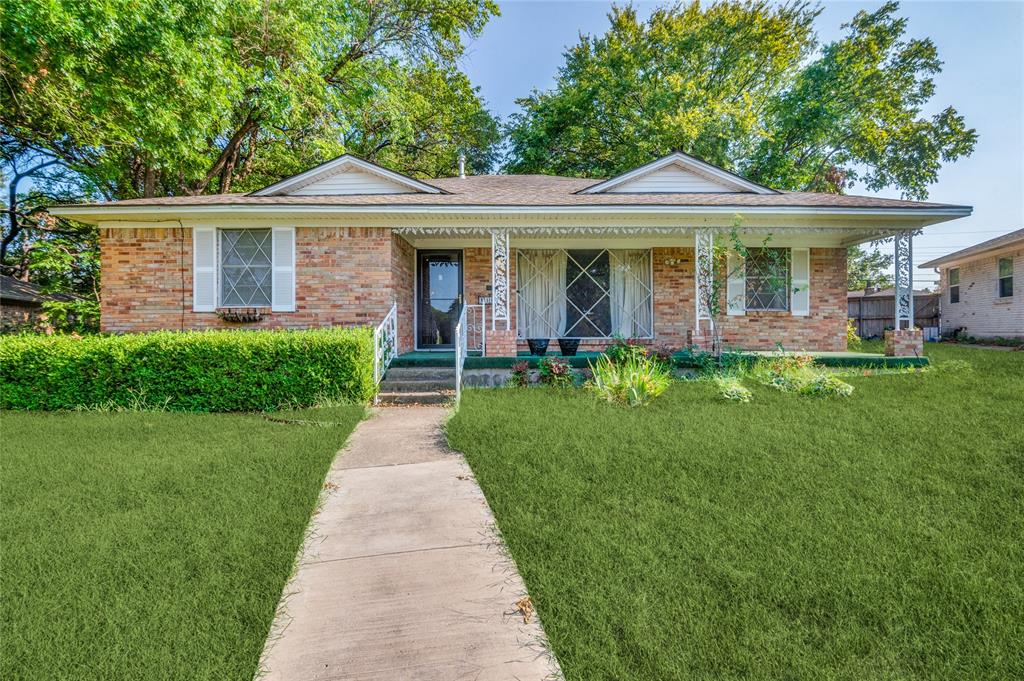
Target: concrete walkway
{"points": [[402, 576]]}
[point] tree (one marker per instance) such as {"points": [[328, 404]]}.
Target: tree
{"points": [[866, 269], [129, 98], [151, 98], [742, 85]]}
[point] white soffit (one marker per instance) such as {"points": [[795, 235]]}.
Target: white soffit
{"points": [[677, 173], [346, 176]]}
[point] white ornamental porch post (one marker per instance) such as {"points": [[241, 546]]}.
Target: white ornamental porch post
{"points": [[703, 274], [904, 281], [499, 279]]}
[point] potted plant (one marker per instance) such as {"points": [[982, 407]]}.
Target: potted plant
{"points": [[538, 346], [568, 346]]}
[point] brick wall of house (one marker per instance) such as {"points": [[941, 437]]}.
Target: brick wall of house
{"points": [[674, 304], [343, 276], [403, 279], [981, 311], [824, 329]]}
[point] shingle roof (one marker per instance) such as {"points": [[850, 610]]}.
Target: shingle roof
{"points": [[977, 249], [15, 290], [537, 190]]}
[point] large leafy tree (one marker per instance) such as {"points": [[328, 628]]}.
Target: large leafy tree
{"points": [[869, 268], [127, 98], [744, 85]]}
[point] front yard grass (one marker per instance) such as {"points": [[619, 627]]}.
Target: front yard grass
{"points": [[151, 545], [879, 536]]}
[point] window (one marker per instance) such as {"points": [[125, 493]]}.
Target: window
{"points": [[584, 293], [1005, 277], [954, 285], [245, 268], [767, 279]]}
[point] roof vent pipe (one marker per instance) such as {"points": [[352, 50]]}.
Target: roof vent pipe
{"points": [[462, 166]]}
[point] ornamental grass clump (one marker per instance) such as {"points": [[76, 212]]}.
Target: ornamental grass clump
{"points": [[633, 381]]}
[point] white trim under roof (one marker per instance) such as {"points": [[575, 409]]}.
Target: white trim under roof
{"points": [[687, 162], [985, 248], [344, 162]]}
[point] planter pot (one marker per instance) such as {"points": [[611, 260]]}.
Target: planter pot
{"points": [[538, 346], [569, 346]]}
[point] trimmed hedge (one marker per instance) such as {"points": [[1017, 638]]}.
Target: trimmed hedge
{"points": [[187, 371]]}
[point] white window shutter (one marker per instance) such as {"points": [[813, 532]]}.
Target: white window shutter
{"points": [[204, 269], [736, 285], [283, 293], [800, 279]]}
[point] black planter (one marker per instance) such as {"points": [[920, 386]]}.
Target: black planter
{"points": [[538, 346], [568, 346]]}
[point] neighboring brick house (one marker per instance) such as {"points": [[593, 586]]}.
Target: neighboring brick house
{"points": [[983, 288], [528, 255], [21, 305]]}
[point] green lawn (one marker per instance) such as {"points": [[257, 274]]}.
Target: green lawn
{"points": [[877, 537], [151, 545]]}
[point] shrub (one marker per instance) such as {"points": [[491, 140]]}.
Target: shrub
{"points": [[520, 376], [555, 372], [622, 349], [187, 371], [826, 385], [732, 388], [663, 354], [852, 339], [633, 381]]}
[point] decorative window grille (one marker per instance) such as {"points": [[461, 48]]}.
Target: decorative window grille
{"points": [[767, 279], [954, 285], [1005, 277], [245, 268], [584, 293]]}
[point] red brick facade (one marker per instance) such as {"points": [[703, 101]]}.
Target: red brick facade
{"points": [[350, 276], [904, 343], [343, 277]]}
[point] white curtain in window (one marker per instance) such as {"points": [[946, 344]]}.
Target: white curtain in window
{"points": [[540, 276], [629, 281]]}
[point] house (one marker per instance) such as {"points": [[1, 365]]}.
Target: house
{"points": [[977, 287], [21, 304], [872, 311], [524, 256]]}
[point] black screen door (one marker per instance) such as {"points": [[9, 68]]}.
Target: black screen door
{"points": [[439, 298]]}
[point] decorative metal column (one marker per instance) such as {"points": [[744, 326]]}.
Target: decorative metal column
{"points": [[904, 281], [499, 278], [703, 272]]}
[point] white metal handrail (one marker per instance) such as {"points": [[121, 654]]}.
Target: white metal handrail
{"points": [[385, 343], [476, 327], [460, 352]]}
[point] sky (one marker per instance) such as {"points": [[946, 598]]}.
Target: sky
{"points": [[980, 43]]}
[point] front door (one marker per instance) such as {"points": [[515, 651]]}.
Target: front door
{"points": [[438, 298]]}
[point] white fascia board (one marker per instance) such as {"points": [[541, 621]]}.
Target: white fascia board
{"points": [[686, 161], [167, 212], [328, 168]]}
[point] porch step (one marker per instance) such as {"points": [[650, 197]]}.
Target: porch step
{"points": [[428, 397], [446, 373], [417, 385]]}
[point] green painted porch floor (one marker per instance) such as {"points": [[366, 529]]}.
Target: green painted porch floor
{"points": [[422, 358]]}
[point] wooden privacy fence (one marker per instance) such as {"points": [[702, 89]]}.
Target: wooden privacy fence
{"points": [[872, 315]]}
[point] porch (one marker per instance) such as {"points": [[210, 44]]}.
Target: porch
{"points": [[474, 360]]}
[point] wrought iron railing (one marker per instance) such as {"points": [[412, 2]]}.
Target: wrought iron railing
{"points": [[476, 327], [461, 349], [385, 344]]}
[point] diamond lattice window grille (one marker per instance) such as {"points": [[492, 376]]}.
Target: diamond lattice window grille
{"points": [[587, 294], [767, 275], [245, 268]]}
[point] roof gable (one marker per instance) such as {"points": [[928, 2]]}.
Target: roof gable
{"points": [[677, 173], [347, 175]]}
